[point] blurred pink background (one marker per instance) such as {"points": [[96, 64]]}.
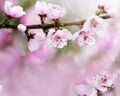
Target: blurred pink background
{"points": [[55, 72]]}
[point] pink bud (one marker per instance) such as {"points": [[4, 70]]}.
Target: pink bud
{"points": [[13, 11], [56, 11], [41, 8], [22, 28]]}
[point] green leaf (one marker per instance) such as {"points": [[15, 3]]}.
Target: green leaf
{"points": [[60, 23], [2, 18]]}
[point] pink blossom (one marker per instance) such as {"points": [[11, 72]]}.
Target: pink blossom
{"points": [[85, 90], [107, 6], [58, 38], [22, 28], [96, 26], [37, 41], [84, 38], [56, 11], [41, 8], [102, 81], [13, 11]]}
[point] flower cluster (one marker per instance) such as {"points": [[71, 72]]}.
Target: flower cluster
{"points": [[56, 36], [99, 84], [94, 26], [51, 11]]}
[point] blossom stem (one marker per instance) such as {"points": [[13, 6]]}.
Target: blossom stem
{"points": [[43, 23], [47, 26]]}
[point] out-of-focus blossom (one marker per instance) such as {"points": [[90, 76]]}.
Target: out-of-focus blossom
{"points": [[85, 90], [12, 59], [56, 12], [102, 81], [13, 11], [37, 41], [107, 7], [95, 25], [5, 33], [22, 28], [58, 38], [84, 38], [41, 8], [112, 12]]}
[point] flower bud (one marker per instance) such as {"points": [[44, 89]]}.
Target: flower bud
{"points": [[21, 28]]}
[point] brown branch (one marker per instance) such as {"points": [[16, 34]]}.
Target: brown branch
{"points": [[47, 26]]}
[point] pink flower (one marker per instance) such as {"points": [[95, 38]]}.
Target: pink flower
{"points": [[13, 11], [107, 6], [102, 81], [22, 28], [56, 12], [58, 38], [37, 41], [84, 38], [41, 8], [85, 90], [96, 25]]}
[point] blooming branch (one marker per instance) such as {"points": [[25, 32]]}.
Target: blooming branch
{"points": [[47, 26], [89, 28]]}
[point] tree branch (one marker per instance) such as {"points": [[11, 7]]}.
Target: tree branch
{"points": [[47, 26]]}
